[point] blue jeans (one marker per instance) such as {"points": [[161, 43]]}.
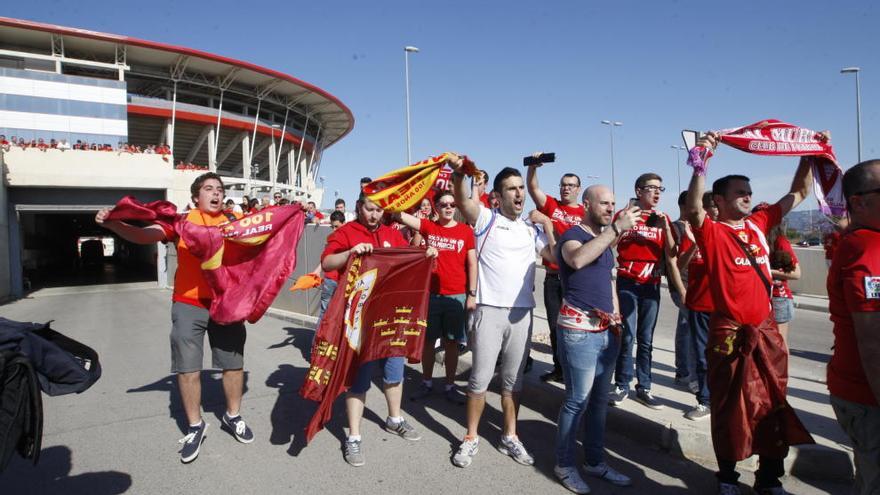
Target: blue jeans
{"points": [[587, 360], [639, 305], [684, 354], [328, 287], [699, 323]]}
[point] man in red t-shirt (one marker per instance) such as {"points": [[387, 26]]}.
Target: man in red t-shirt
{"points": [[564, 213], [832, 239], [190, 319], [642, 253], [359, 238], [854, 304], [748, 365], [453, 289]]}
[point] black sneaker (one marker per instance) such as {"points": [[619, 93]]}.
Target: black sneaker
{"points": [[529, 363], [238, 428], [552, 376], [455, 396], [645, 396], [192, 442]]}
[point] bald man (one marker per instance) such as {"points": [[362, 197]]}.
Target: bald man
{"points": [[588, 335]]}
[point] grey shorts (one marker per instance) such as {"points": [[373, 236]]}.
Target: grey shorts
{"points": [[783, 309], [505, 331], [188, 327]]}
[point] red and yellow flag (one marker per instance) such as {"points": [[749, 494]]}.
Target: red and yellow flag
{"points": [[404, 188]]}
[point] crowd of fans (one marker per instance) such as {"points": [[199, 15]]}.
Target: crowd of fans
{"points": [[63, 145]]}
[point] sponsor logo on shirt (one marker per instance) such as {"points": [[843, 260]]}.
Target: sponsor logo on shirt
{"points": [[741, 261], [643, 230], [872, 287], [445, 243]]}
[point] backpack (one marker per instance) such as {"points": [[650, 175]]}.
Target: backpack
{"points": [[21, 408]]}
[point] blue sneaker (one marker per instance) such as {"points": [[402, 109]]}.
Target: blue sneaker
{"points": [[192, 442], [238, 428]]}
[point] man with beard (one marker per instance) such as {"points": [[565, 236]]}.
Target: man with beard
{"points": [[854, 304], [641, 254], [190, 321], [359, 238], [747, 360], [564, 212], [506, 248], [589, 336]]}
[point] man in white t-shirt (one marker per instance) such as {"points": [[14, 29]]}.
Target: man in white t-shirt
{"points": [[506, 245]]}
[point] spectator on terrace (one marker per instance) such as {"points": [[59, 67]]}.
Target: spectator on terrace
{"points": [[63, 145]]}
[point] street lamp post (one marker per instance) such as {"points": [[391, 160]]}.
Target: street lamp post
{"points": [[678, 150], [856, 70], [406, 51], [611, 125]]}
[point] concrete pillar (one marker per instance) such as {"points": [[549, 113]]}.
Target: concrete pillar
{"points": [[212, 152]]}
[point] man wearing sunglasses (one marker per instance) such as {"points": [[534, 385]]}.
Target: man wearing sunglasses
{"points": [[564, 213], [854, 304], [641, 255]]}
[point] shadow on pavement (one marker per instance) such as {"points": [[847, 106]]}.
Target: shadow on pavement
{"points": [[213, 399], [811, 355], [52, 475]]}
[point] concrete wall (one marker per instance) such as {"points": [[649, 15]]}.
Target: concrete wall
{"points": [[814, 272], [5, 267], [93, 169]]}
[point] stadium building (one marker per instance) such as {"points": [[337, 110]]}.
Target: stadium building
{"points": [[89, 117]]}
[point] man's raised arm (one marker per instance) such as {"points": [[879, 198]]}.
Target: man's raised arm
{"points": [[694, 211], [150, 234]]}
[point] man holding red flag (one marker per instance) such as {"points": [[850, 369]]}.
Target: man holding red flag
{"points": [[359, 238], [506, 249], [190, 319], [564, 213], [747, 360]]}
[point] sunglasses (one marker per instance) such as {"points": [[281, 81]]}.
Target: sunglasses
{"points": [[445, 205], [653, 188]]}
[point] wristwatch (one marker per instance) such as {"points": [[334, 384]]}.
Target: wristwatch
{"points": [[472, 293]]}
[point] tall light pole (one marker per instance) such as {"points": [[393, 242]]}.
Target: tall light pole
{"points": [[611, 125], [856, 70], [406, 51], [678, 150]]}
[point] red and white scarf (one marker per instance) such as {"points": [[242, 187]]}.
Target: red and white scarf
{"points": [[776, 138]]}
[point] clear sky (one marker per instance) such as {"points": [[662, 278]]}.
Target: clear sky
{"points": [[499, 80]]}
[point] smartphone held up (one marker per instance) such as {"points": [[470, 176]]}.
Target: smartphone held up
{"points": [[532, 160]]}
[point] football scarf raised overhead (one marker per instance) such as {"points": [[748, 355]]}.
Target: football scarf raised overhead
{"points": [[772, 137], [379, 310], [404, 188], [245, 262]]}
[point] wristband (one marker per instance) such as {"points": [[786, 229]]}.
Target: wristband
{"points": [[695, 160]]}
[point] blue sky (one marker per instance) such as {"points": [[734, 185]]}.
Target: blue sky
{"points": [[498, 80]]}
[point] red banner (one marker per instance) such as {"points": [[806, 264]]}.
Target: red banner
{"points": [[245, 262], [380, 310]]}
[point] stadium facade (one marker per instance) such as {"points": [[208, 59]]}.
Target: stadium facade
{"points": [[88, 117]]}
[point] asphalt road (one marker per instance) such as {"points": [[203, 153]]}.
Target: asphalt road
{"points": [[121, 435]]}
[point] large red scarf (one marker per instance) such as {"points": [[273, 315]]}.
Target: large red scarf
{"points": [[379, 310], [245, 262], [747, 377], [404, 188], [776, 138]]}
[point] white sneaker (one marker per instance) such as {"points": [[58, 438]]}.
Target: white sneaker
{"points": [[571, 479], [607, 473], [515, 448], [466, 452]]}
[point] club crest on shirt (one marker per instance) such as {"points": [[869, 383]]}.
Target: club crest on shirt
{"points": [[743, 235], [872, 287]]}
